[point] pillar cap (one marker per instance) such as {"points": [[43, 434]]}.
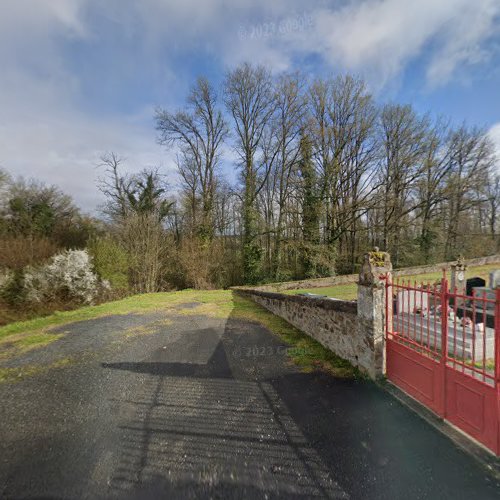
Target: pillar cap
{"points": [[375, 266], [460, 265]]}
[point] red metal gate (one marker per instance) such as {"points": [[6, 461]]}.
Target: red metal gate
{"points": [[443, 349]]}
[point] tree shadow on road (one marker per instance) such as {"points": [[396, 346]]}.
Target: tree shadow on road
{"points": [[217, 428]]}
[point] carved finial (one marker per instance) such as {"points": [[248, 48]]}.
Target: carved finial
{"points": [[376, 265], [461, 262]]}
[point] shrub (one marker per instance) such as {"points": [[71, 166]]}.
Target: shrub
{"points": [[13, 290], [111, 262], [213, 264], [69, 276], [17, 252], [148, 246]]}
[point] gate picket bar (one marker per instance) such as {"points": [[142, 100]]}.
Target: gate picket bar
{"points": [[443, 349]]}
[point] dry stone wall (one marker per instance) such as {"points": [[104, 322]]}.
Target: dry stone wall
{"points": [[333, 323]]}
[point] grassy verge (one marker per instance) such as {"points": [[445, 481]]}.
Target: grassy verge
{"points": [[306, 352], [349, 291]]}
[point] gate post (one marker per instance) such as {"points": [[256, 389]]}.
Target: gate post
{"points": [[371, 307], [458, 281]]}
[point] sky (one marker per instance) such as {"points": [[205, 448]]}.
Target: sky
{"points": [[79, 78]]}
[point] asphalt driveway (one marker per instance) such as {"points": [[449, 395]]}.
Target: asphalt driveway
{"points": [[197, 407]]}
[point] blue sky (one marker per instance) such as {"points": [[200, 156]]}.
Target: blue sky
{"points": [[82, 77]]}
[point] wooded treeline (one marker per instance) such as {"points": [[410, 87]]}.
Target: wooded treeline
{"points": [[324, 173]]}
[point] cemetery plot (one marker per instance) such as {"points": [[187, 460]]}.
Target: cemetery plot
{"points": [[442, 348], [348, 291], [417, 315]]}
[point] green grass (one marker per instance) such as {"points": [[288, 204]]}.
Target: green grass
{"points": [[13, 374], [305, 352], [349, 291]]}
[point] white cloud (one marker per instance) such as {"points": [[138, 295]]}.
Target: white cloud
{"points": [[46, 129], [64, 149], [43, 134], [462, 38], [381, 37]]}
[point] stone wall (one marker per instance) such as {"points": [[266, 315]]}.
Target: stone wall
{"points": [[354, 330], [310, 283], [333, 323], [353, 278]]}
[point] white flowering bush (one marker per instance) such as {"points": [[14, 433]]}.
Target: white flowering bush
{"points": [[69, 275]]}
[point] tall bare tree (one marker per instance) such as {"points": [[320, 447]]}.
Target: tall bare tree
{"points": [[354, 148], [430, 188], [471, 160], [114, 185], [200, 131], [248, 94], [287, 126], [402, 137]]}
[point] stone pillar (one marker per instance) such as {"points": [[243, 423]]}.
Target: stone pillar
{"points": [[458, 280], [371, 310]]}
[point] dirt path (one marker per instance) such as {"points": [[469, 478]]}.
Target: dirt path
{"points": [[197, 407]]}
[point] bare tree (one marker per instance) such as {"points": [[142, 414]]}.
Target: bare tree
{"points": [[342, 129], [430, 187], [402, 134], [321, 138], [354, 148], [114, 186], [199, 131], [287, 126], [471, 159], [249, 100]]}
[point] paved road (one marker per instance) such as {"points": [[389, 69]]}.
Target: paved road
{"points": [[196, 407]]}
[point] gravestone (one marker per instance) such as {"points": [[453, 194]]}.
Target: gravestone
{"points": [[474, 283], [489, 293], [495, 279], [458, 271], [458, 282]]}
